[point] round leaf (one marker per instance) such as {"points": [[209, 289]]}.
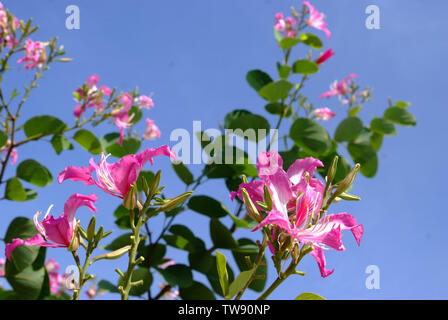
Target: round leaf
{"points": [[275, 91], [33, 172], [177, 275], [221, 236], [400, 116], [88, 141], [365, 155], [257, 79], [305, 67], [43, 125], [310, 136], [383, 126], [349, 129], [197, 291], [207, 206]]}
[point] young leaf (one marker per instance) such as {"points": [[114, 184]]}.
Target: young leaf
{"points": [[221, 264]]}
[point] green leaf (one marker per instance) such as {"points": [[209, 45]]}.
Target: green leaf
{"points": [[201, 261], [33, 172], [402, 104], [278, 109], [221, 236], [309, 296], [207, 206], [177, 275], [157, 252], [349, 129], [130, 145], [247, 121], [365, 155], [136, 114], [107, 286], [376, 140], [197, 291], [257, 79], [43, 125], [311, 40], [400, 116], [183, 173], [3, 138], [30, 194], [122, 217], [23, 256], [238, 284], [248, 248], [288, 42], [88, 141], [213, 277], [221, 263], [383, 126], [275, 91], [183, 231], [14, 190], [310, 136], [137, 275], [60, 143], [119, 242], [284, 71], [240, 223], [304, 67], [27, 283]]}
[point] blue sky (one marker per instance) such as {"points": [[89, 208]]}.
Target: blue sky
{"points": [[194, 55]]}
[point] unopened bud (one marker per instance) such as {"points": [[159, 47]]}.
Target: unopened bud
{"points": [[154, 186], [347, 181], [349, 197], [332, 170], [267, 197], [130, 200], [113, 255], [174, 202], [250, 206], [74, 243], [91, 229]]}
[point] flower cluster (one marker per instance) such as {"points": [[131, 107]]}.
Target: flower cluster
{"points": [[285, 25], [90, 96], [35, 54], [296, 206], [8, 24], [57, 280]]}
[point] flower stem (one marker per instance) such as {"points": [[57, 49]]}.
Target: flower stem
{"points": [[82, 273], [282, 277]]}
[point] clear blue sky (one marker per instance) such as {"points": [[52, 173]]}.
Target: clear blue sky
{"points": [[193, 55]]}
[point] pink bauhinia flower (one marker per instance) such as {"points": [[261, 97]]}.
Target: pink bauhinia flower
{"points": [[316, 19], [151, 130], [90, 96], [57, 284], [170, 294], [297, 200], [5, 149], [55, 233], [285, 25], [144, 102], [35, 54], [116, 178], [338, 88], [91, 292], [325, 56], [121, 116], [324, 114]]}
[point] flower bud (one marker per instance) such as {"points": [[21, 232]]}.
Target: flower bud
{"points": [[74, 243], [113, 255], [154, 184], [174, 202], [91, 229], [250, 207], [130, 200], [347, 181], [332, 170], [267, 197]]}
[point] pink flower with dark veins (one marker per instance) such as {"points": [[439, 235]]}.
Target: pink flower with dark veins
{"points": [[297, 199], [338, 89], [116, 178], [145, 102], [55, 233], [316, 19]]}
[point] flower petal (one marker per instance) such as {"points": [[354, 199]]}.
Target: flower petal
{"points": [[318, 254]]}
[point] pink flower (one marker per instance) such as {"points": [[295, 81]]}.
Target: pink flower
{"points": [[90, 96], [325, 56], [145, 102], [14, 153], [338, 88], [121, 116], [2, 267], [116, 178], [151, 130], [56, 279], [316, 19], [91, 293], [297, 200], [35, 54], [168, 263], [324, 114], [285, 25], [55, 233]]}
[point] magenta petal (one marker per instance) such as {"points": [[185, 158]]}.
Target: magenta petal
{"points": [[37, 240], [297, 170], [147, 154], [275, 218], [268, 163], [77, 174], [253, 188], [318, 254], [57, 230], [348, 222], [125, 172]]}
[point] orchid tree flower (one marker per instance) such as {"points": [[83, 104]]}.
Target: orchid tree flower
{"points": [[152, 131], [325, 56], [122, 119], [296, 202], [338, 89], [90, 96], [55, 233], [316, 19], [144, 102], [35, 54], [324, 113], [285, 25], [116, 178]]}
